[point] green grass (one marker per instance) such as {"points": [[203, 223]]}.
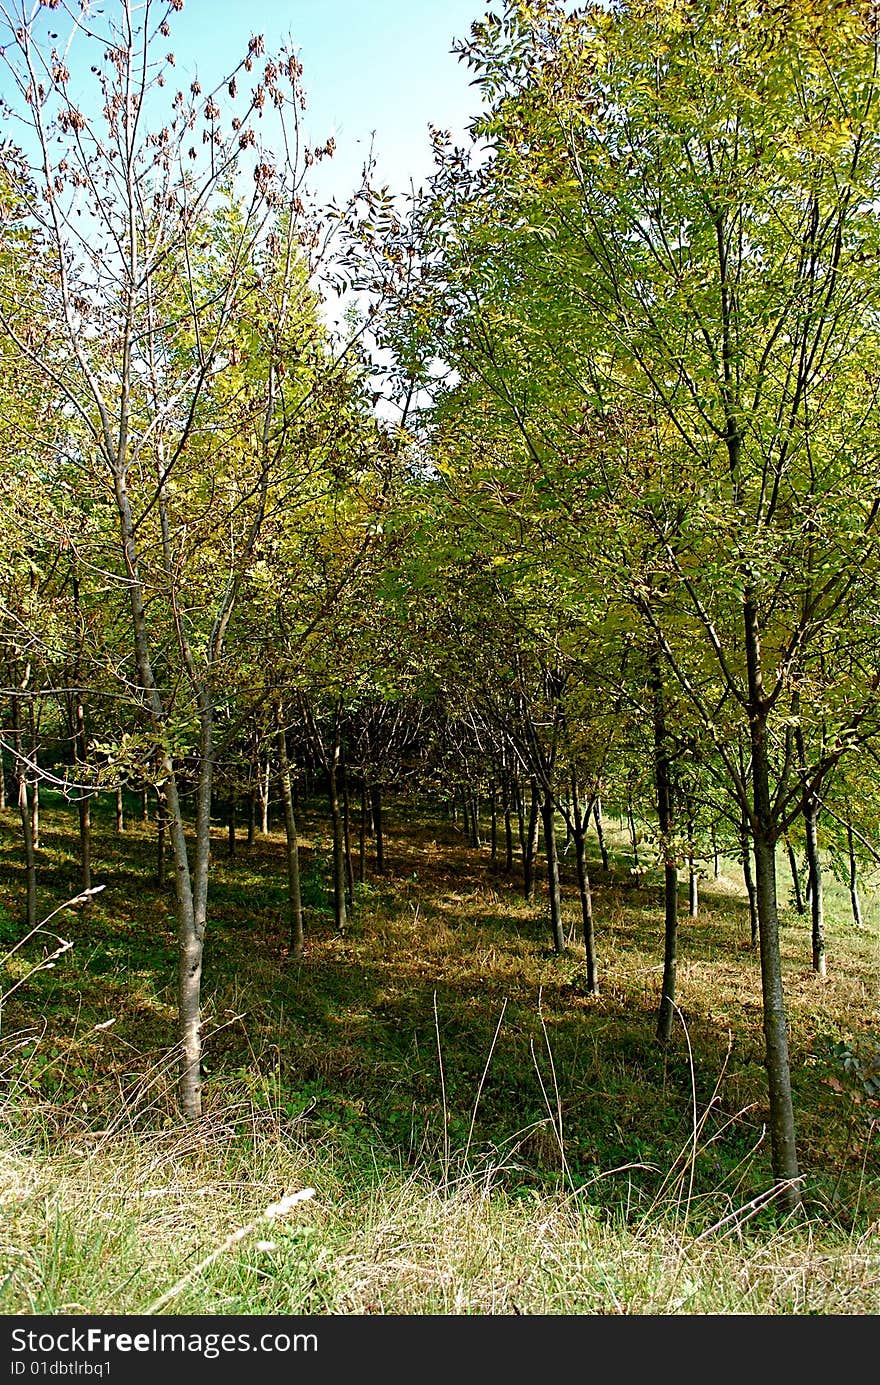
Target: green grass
{"points": [[444, 1083]]}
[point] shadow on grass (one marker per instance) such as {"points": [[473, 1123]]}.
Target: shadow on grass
{"points": [[438, 1029]]}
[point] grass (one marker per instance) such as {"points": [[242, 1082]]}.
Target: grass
{"points": [[480, 1134]]}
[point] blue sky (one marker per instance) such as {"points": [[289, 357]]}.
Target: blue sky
{"points": [[369, 65]]}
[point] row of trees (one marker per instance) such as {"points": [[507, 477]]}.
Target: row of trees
{"points": [[621, 545]]}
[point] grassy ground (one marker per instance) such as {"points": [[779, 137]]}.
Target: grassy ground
{"points": [[480, 1134]]}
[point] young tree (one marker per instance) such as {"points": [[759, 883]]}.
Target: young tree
{"points": [[184, 344], [663, 266]]}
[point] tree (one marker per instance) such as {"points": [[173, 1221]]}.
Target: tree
{"points": [[663, 266], [184, 346]]}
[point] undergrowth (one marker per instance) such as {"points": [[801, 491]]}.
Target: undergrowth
{"points": [[474, 1132]]}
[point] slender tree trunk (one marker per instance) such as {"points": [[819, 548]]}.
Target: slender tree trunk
{"points": [[553, 874], [362, 835], [33, 732], [814, 867], [716, 859], [339, 891], [35, 805], [264, 796], [294, 896], [145, 805], [745, 857], [476, 842], [530, 845], [30, 859], [795, 878], [508, 829], [579, 832], [85, 841], [633, 835], [346, 838], [693, 892], [192, 951], [120, 809], [80, 741], [161, 830], [520, 817], [663, 783], [782, 1128], [569, 831], [693, 873], [191, 886], [810, 808], [493, 825], [24, 809], [853, 878], [378, 827], [782, 1125], [600, 832], [230, 827]]}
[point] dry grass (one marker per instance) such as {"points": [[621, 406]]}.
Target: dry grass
{"points": [[115, 1225]]}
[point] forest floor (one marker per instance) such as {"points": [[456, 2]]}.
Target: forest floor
{"points": [[481, 1135]]}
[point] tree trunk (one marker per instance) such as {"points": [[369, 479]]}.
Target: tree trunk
{"points": [[782, 1126], [579, 832], [85, 841], [378, 827], [192, 952], [814, 867], [795, 878], [346, 839], [35, 805], [853, 878], [264, 797], [693, 892], [493, 825], [294, 895], [339, 891], [508, 829], [600, 832], [191, 886], [530, 844], [230, 827], [569, 831], [553, 874], [520, 817], [693, 873], [362, 835], [161, 829], [24, 809], [748, 878], [85, 801], [120, 809], [633, 835], [663, 783], [476, 843]]}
